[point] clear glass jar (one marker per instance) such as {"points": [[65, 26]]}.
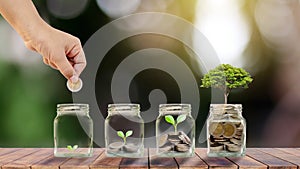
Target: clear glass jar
{"points": [[175, 131], [124, 131], [226, 130], [66, 143]]}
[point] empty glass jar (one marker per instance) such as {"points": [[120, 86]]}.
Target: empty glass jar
{"points": [[226, 130], [73, 131], [124, 131], [175, 131]]}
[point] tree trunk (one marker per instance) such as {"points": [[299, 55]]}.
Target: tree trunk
{"points": [[226, 94]]}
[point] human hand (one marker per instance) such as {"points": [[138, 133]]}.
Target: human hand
{"points": [[60, 50]]}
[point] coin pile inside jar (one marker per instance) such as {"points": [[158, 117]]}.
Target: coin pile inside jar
{"points": [[179, 142], [120, 146], [226, 136]]}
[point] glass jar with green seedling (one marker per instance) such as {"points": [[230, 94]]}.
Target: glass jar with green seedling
{"points": [[73, 131], [124, 131], [175, 131]]}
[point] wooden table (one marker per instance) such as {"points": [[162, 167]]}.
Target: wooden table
{"points": [[40, 158]]}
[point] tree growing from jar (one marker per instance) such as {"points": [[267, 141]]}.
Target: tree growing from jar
{"points": [[226, 77]]}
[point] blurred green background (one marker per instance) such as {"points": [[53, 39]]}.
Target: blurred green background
{"points": [[261, 36]]}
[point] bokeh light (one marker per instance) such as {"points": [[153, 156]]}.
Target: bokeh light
{"points": [[66, 9], [276, 21], [225, 26], [155, 5], [12, 47], [118, 8]]}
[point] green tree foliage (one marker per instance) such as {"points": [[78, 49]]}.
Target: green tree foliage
{"points": [[226, 77]]}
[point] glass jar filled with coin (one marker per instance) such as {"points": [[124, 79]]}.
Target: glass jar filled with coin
{"points": [[175, 131], [226, 130], [124, 131]]}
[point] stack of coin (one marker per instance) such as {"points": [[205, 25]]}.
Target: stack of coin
{"points": [[115, 147], [131, 148], [179, 142], [237, 140], [120, 146], [225, 136]]}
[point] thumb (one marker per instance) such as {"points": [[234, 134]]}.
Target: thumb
{"points": [[65, 67]]}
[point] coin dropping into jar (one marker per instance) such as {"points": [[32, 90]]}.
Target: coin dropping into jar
{"points": [[74, 87]]}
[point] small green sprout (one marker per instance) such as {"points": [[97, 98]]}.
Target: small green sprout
{"points": [[170, 119], [72, 148], [124, 136]]}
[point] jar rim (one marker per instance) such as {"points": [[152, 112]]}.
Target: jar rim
{"points": [[72, 104], [123, 104], [123, 107], [175, 104], [226, 108], [226, 105], [72, 107], [175, 108]]}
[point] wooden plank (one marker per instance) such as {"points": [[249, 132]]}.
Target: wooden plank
{"points": [[282, 155], [293, 151], [161, 162], [106, 162], [247, 162], [50, 163], [135, 163], [191, 163], [215, 162], [4, 151], [82, 163], [271, 161], [26, 161], [7, 158]]}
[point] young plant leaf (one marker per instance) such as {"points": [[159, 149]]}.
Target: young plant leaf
{"points": [[170, 119], [129, 133], [180, 118], [70, 147], [121, 134], [75, 147]]}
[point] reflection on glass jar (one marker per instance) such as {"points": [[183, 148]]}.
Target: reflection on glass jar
{"points": [[124, 131], [175, 131], [69, 142], [226, 130]]}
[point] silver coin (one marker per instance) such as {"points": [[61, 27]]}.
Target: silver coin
{"points": [[217, 148], [74, 87], [130, 147], [236, 141], [184, 138], [166, 148], [116, 145], [233, 147], [174, 139], [182, 147]]}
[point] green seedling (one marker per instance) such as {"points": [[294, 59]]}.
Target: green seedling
{"points": [[124, 136], [170, 119], [72, 148]]}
